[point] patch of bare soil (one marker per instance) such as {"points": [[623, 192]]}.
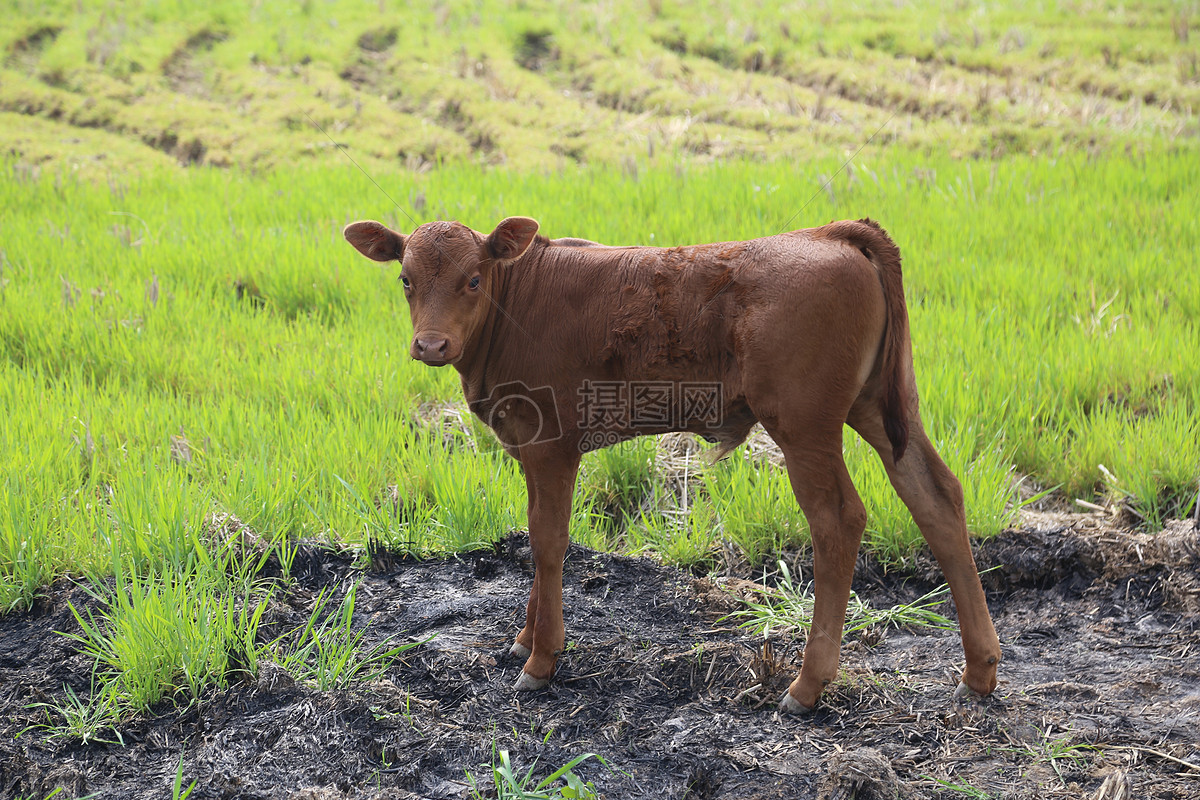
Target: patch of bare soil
{"points": [[184, 69], [1099, 694]]}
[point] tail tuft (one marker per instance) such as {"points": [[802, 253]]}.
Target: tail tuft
{"points": [[895, 420]]}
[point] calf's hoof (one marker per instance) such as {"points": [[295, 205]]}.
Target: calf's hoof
{"points": [[520, 651], [790, 705], [528, 683], [965, 693]]}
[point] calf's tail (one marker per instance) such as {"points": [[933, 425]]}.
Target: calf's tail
{"points": [[896, 353]]}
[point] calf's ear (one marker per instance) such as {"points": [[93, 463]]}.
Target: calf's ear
{"points": [[375, 241], [511, 238]]}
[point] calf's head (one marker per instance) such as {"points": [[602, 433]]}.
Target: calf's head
{"points": [[447, 271]]}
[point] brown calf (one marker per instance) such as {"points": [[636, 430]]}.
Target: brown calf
{"points": [[565, 346]]}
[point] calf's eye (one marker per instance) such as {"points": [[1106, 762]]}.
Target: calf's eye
{"points": [[474, 284], [404, 282]]}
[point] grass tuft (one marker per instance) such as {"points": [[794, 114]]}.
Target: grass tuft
{"points": [[508, 784], [166, 636], [326, 651], [83, 719], [788, 607]]}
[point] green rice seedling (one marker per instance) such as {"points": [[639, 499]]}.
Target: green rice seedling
{"points": [[55, 793], [510, 785], [693, 540], [164, 635], [756, 507], [614, 486], [1052, 750], [269, 501], [966, 790], [377, 524], [27, 547], [685, 539], [326, 651], [84, 719], [789, 607], [624, 472], [177, 790], [1064, 749], [158, 526], [442, 500], [474, 502]]}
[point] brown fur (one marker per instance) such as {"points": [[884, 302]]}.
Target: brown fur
{"points": [[804, 332], [874, 243]]}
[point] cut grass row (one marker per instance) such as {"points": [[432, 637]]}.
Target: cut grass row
{"points": [[554, 82], [178, 346]]}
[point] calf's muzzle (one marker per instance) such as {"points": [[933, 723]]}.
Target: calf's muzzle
{"points": [[432, 348]]}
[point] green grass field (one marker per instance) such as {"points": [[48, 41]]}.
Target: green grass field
{"points": [[185, 336]]}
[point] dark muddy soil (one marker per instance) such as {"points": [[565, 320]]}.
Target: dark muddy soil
{"points": [[1099, 692]]}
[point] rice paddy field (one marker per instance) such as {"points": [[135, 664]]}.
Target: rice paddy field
{"points": [[200, 379]]}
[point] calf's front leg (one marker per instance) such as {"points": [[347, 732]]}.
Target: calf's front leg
{"points": [[523, 646], [550, 480]]}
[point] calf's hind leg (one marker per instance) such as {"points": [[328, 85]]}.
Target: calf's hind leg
{"points": [[935, 499], [836, 519]]}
